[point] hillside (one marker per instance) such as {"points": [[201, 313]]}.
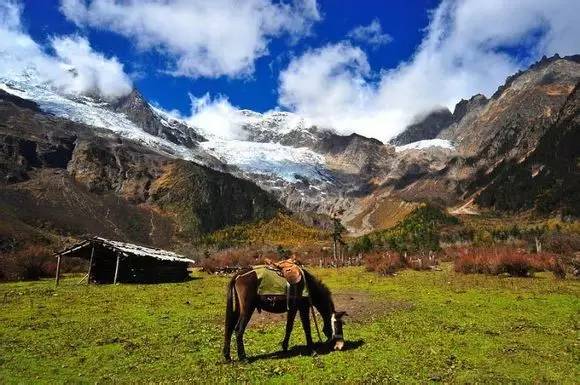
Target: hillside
{"points": [[65, 179], [282, 230]]}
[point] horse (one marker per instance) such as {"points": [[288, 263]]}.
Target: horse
{"points": [[243, 298]]}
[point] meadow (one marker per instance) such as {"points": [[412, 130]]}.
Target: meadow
{"points": [[414, 327]]}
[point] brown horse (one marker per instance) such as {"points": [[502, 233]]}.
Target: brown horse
{"points": [[243, 299]]}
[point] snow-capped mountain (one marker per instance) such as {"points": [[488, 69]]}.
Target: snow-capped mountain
{"points": [[307, 168], [93, 112], [272, 165]]}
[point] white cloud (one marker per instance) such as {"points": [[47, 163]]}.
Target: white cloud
{"points": [[201, 38], [464, 51], [94, 72], [321, 80], [216, 117], [213, 117], [371, 34], [74, 69]]}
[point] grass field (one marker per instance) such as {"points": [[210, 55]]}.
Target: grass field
{"points": [[416, 327]]}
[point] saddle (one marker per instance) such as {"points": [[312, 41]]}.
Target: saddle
{"points": [[288, 269]]}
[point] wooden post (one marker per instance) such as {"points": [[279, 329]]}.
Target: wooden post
{"points": [[334, 253], [90, 266], [117, 269], [57, 271]]}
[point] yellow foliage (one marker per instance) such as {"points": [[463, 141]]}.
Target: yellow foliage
{"points": [[281, 230]]}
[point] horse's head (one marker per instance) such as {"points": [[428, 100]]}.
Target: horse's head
{"points": [[336, 324]]}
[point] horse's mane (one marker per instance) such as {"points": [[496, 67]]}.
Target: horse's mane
{"points": [[317, 289]]}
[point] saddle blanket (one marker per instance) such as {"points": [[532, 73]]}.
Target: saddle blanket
{"points": [[271, 283]]}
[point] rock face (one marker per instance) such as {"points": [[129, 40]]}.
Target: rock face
{"points": [[549, 178], [427, 127], [61, 177], [512, 126], [139, 112]]}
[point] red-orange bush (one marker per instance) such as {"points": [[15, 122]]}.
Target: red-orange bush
{"points": [[384, 263], [500, 260], [31, 263], [235, 258]]}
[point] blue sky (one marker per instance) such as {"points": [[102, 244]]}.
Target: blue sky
{"points": [[370, 67], [406, 20]]}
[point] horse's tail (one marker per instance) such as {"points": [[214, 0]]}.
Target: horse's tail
{"points": [[231, 299]]}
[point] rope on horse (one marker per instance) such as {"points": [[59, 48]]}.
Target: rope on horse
{"points": [[311, 306], [315, 322]]}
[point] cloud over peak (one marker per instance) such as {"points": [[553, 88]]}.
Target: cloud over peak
{"points": [[469, 47], [75, 68], [201, 38]]}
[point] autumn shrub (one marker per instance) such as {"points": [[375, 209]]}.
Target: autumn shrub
{"points": [[384, 263], [31, 263], [236, 258], [504, 260]]}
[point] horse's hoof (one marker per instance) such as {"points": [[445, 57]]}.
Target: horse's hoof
{"points": [[284, 347], [243, 359], [227, 359]]}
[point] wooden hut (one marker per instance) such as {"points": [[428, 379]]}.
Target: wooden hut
{"points": [[113, 261]]}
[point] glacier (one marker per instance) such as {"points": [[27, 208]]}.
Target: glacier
{"points": [[422, 144]]}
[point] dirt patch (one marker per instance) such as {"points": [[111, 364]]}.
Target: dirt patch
{"points": [[360, 306]]}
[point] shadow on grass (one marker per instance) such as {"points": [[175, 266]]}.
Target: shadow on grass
{"points": [[320, 349]]}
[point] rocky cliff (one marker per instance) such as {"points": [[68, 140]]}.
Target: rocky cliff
{"points": [[427, 127]]}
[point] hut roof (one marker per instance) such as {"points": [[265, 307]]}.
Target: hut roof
{"points": [[128, 249]]}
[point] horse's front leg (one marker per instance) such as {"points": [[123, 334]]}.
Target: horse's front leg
{"points": [[305, 318], [289, 327]]}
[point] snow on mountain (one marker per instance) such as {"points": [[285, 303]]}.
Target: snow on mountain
{"points": [[272, 159], [421, 144], [86, 110], [280, 121]]}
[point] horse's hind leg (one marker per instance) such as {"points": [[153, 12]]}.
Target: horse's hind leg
{"points": [[289, 326], [240, 329], [231, 321]]}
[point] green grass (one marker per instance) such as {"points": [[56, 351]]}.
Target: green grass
{"points": [[415, 327]]}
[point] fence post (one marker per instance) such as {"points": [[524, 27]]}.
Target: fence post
{"points": [[57, 278]]}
